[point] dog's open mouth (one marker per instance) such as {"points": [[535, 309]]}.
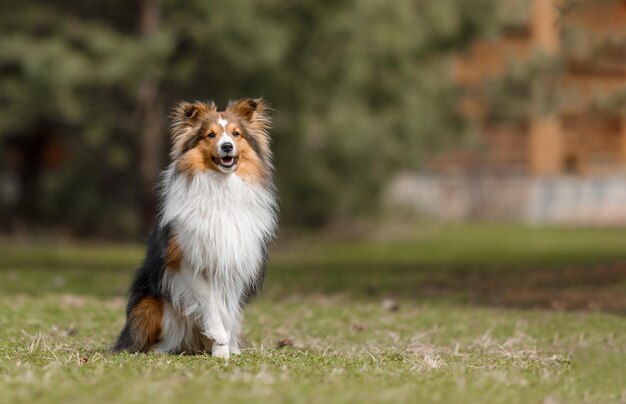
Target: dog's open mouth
{"points": [[226, 161]]}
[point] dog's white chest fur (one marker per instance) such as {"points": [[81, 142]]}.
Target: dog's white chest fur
{"points": [[222, 224]]}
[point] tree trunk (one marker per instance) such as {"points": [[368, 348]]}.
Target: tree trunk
{"points": [[150, 123]]}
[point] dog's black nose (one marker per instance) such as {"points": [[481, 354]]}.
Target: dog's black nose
{"points": [[227, 147]]}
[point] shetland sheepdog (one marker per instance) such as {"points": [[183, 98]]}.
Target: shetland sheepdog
{"points": [[206, 258]]}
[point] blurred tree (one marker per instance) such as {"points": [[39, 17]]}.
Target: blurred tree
{"points": [[150, 110], [66, 77], [75, 73], [359, 87]]}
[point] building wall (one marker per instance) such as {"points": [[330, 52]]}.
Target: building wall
{"points": [[558, 200], [588, 44]]}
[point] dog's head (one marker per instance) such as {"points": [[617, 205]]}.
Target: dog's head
{"points": [[235, 140]]}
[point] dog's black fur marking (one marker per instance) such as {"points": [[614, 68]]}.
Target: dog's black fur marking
{"points": [[193, 141], [147, 281]]}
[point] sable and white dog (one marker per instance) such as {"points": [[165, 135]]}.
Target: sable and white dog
{"points": [[207, 256]]}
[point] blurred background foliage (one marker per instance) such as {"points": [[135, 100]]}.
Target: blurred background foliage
{"points": [[359, 90]]}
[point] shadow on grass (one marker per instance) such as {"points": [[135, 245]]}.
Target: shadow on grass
{"points": [[600, 287]]}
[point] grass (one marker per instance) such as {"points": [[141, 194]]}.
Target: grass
{"points": [[457, 314]]}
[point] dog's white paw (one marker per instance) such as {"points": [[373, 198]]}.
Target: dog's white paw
{"points": [[220, 351]]}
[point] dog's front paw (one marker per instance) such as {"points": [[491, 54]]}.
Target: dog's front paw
{"points": [[220, 351]]}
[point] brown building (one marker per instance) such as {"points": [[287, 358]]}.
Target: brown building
{"points": [[547, 94]]}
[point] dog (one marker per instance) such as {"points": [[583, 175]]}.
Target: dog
{"points": [[207, 256]]}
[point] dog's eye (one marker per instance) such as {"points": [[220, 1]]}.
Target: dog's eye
{"points": [[235, 133], [211, 135]]}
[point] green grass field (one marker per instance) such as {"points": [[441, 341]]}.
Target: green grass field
{"points": [[455, 313]]}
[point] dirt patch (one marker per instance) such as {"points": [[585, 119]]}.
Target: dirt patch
{"points": [[601, 287]]}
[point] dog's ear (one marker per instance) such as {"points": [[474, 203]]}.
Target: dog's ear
{"points": [[245, 108], [187, 113], [188, 110], [252, 110]]}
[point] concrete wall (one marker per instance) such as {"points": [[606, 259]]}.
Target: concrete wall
{"points": [[597, 200]]}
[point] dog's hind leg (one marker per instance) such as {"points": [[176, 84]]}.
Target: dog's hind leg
{"points": [[177, 333], [143, 326]]}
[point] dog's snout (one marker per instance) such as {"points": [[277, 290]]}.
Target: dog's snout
{"points": [[227, 147]]}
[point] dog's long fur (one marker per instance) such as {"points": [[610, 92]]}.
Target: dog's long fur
{"points": [[207, 255]]}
